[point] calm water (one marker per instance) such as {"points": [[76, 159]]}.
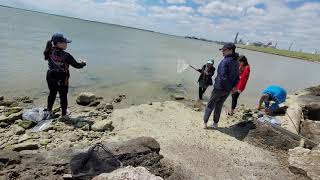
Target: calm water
{"points": [[124, 60]]}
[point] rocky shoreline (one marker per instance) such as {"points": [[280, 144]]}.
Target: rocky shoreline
{"points": [[135, 135]]}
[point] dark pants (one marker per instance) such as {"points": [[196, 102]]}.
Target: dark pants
{"points": [[201, 92], [235, 97], [217, 99], [57, 83]]}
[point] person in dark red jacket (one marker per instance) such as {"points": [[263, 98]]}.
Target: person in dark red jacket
{"points": [[244, 70]]}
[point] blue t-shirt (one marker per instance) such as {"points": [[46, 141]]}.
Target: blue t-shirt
{"points": [[278, 94]]}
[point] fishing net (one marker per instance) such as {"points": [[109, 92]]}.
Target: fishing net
{"points": [[181, 66], [97, 160]]}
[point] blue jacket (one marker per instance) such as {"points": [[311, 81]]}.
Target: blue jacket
{"points": [[228, 73], [278, 94]]}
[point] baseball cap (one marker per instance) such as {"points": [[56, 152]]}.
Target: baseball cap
{"points": [[210, 61], [59, 37], [228, 46]]}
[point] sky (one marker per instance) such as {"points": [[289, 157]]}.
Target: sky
{"points": [[281, 21]]}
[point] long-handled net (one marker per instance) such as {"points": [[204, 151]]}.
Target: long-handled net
{"points": [[181, 66]]}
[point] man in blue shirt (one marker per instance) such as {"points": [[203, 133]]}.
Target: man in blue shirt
{"points": [[274, 94], [225, 82]]}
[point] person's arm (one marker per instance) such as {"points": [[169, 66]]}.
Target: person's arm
{"points": [[225, 69], [70, 60], [243, 79], [262, 99]]}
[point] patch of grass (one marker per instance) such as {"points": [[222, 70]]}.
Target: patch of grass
{"points": [[293, 54]]}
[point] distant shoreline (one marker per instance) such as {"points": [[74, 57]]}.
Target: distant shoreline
{"points": [[285, 53]]}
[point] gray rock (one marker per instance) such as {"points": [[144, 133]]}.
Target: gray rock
{"points": [[86, 127], [51, 132], [311, 130], [117, 100], [178, 96], [25, 146], [25, 99], [7, 103], [1, 98], [94, 114], [128, 173], [108, 111], [4, 124], [109, 106], [24, 138], [94, 103], [13, 117], [9, 157], [59, 156], [122, 96], [305, 161], [103, 125], [196, 109], [100, 107], [28, 177], [25, 124], [150, 103], [74, 136], [18, 130], [13, 110], [99, 97], [85, 98], [45, 142]]}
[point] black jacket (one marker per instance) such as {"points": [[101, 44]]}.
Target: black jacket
{"points": [[207, 78]]}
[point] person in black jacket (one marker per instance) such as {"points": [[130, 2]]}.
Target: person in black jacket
{"points": [[205, 78], [58, 74], [225, 83]]}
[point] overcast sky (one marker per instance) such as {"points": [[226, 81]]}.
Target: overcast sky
{"points": [[282, 21]]}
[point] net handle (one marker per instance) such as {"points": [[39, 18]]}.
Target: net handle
{"points": [[107, 150]]}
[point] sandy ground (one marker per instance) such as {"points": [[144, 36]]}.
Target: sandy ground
{"points": [[202, 154]]}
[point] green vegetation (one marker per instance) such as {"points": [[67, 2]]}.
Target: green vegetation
{"points": [[293, 54]]}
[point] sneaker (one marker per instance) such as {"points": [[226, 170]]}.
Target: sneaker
{"points": [[205, 126], [65, 118], [214, 125], [47, 114]]}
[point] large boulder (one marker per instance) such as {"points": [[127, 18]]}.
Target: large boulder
{"points": [[25, 146], [291, 120], [25, 124], [104, 125], [18, 130], [311, 130], [312, 111], [128, 173], [305, 161], [11, 118], [85, 98]]}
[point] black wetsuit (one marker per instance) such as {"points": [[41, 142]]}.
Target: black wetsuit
{"points": [[58, 77]]}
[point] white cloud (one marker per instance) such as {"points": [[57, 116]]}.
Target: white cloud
{"points": [[255, 11], [217, 8], [213, 19], [176, 1]]}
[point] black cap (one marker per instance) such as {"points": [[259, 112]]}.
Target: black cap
{"points": [[228, 46], [58, 37]]}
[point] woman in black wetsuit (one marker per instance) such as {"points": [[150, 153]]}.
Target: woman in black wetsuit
{"points": [[58, 73]]}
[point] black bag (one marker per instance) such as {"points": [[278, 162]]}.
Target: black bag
{"points": [[97, 160]]}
